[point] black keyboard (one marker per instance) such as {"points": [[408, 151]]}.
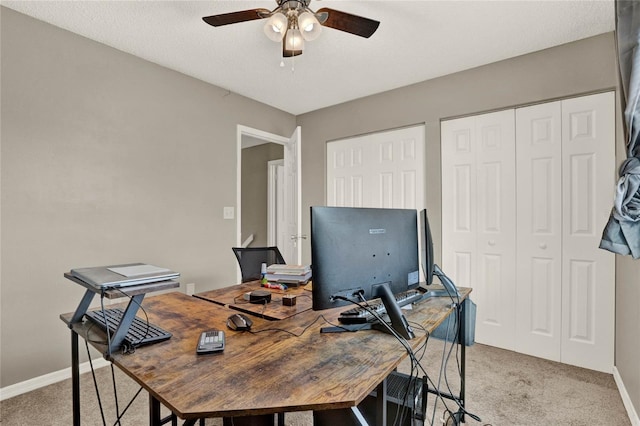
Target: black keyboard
{"points": [[360, 315], [140, 332]]}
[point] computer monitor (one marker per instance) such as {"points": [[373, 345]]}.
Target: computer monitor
{"points": [[426, 249], [429, 267], [368, 252]]}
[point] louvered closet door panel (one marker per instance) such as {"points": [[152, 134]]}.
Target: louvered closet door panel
{"points": [[496, 228], [459, 201], [383, 169], [539, 230], [588, 272]]}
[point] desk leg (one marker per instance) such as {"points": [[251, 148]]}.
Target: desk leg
{"points": [[381, 403], [359, 417], [154, 412], [461, 341], [461, 328], [75, 378]]}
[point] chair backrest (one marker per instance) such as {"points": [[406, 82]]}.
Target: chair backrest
{"points": [[251, 259]]}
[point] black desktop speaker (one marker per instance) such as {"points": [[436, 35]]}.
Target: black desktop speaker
{"points": [[260, 296]]}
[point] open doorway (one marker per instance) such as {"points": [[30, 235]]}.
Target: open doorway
{"points": [[262, 206], [259, 147]]}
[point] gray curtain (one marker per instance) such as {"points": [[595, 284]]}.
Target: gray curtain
{"points": [[622, 233]]}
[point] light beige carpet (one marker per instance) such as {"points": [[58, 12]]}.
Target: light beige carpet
{"points": [[503, 388]]}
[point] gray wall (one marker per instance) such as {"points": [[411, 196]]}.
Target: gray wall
{"points": [[255, 190], [628, 326], [106, 158], [573, 69]]}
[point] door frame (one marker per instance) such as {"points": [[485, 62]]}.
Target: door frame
{"points": [[246, 131]]}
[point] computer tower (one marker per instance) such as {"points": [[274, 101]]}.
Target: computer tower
{"points": [[404, 405]]}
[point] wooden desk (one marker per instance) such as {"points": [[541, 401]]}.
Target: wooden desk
{"points": [[262, 372], [274, 310]]}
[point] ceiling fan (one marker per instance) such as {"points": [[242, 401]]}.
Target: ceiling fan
{"points": [[293, 22]]}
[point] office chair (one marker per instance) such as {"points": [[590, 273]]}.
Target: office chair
{"points": [[251, 259]]}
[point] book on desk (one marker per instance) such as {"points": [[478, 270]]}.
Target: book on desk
{"points": [[288, 274]]}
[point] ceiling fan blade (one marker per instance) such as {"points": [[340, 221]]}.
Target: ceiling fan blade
{"points": [[363, 27], [235, 17]]}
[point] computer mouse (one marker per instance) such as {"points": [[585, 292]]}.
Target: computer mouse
{"points": [[239, 322]]}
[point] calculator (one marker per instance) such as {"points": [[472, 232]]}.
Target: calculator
{"points": [[210, 341]]}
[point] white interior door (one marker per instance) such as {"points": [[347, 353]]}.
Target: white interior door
{"points": [[588, 275], [554, 285], [292, 188], [383, 169], [459, 206], [276, 226], [478, 218], [539, 232], [496, 272]]}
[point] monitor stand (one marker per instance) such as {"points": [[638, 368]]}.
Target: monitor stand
{"points": [[449, 289], [396, 318], [366, 326]]}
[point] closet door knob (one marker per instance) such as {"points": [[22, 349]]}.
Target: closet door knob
{"points": [[542, 245], [492, 242]]}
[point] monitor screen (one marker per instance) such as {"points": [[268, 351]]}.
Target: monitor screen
{"points": [[427, 247], [356, 250]]}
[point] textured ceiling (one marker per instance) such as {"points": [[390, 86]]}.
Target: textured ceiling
{"points": [[416, 41]]}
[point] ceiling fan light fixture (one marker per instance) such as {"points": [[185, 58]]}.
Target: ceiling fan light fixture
{"points": [[293, 22], [293, 40], [276, 26], [290, 54], [309, 26]]}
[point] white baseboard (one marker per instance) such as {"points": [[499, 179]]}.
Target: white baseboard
{"points": [[47, 379], [626, 400]]}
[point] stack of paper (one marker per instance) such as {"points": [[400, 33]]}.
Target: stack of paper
{"points": [[288, 274]]}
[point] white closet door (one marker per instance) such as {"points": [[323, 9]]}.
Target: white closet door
{"points": [[478, 174], [496, 227], [539, 230], [560, 304], [459, 234], [588, 129], [383, 169]]}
